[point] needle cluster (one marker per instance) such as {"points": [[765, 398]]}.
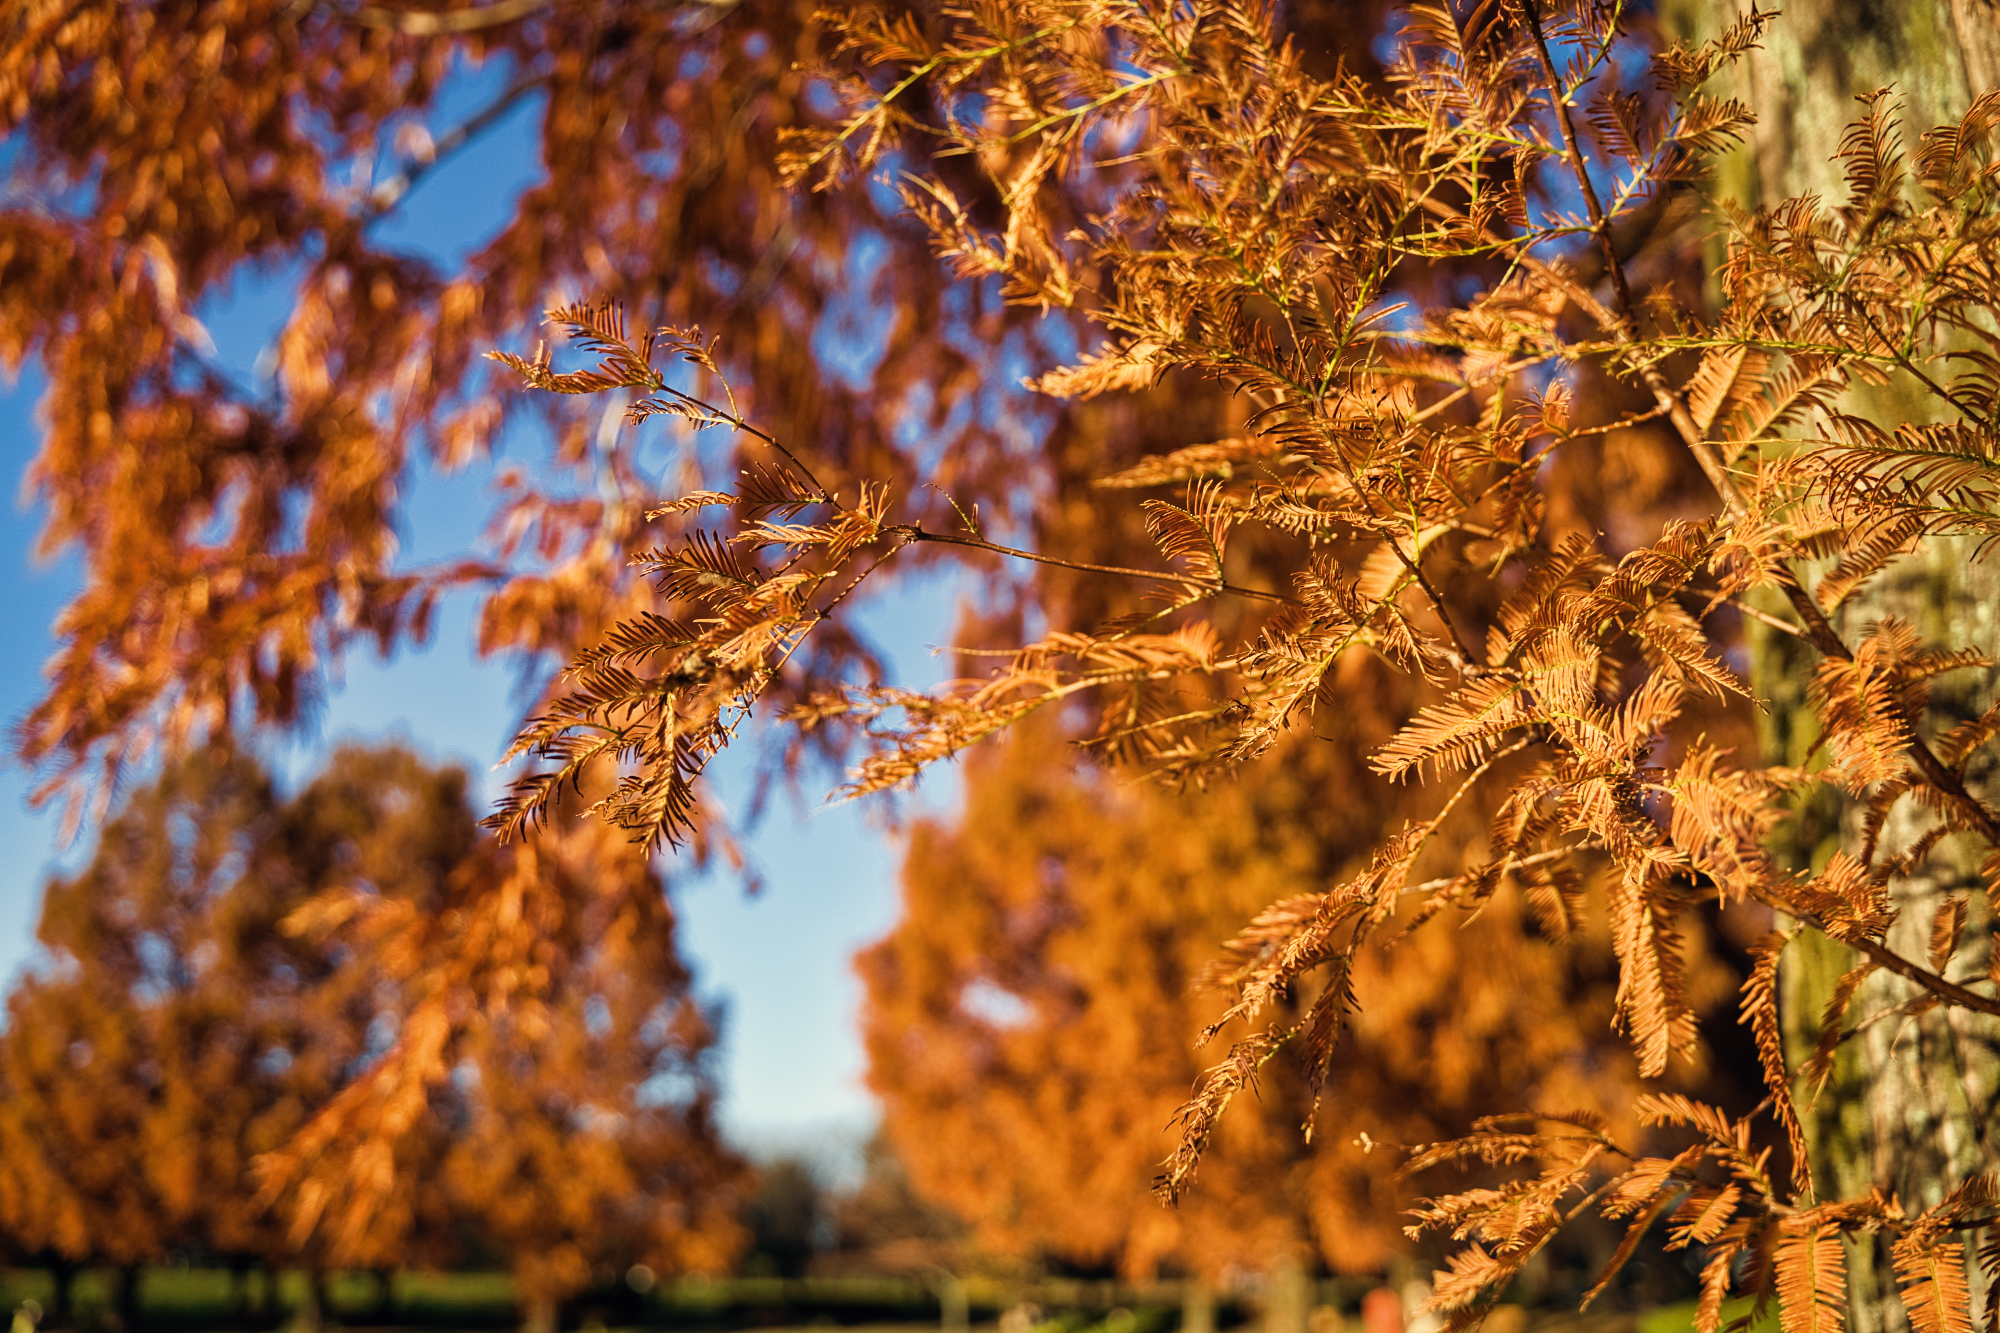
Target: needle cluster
{"points": [[1267, 229]]}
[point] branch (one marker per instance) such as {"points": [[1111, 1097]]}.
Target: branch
{"points": [[1949, 992], [391, 191], [977, 544], [1512, 863], [441, 22], [1903, 359], [1624, 328]]}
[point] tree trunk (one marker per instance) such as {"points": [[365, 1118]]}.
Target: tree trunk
{"points": [[62, 1277], [953, 1312], [239, 1287], [1287, 1298], [540, 1314], [310, 1316], [128, 1298], [1197, 1306], [1906, 1106]]}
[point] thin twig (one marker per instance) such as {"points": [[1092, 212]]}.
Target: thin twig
{"points": [[1216, 586], [1949, 992], [391, 191]]}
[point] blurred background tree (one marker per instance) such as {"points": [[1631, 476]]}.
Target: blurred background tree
{"points": [[588, 1142], [196, 1011], [1032, 1023], [788, 1218]]}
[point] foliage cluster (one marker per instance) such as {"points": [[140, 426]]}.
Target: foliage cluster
{"points": [[1255, 224], [223, 982], [1033, 1022]]}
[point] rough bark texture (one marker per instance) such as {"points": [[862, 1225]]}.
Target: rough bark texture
{"points": [[1906, 1107]]}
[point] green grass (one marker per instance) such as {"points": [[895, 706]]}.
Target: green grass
{"points": [[191, 1293], [188, 1296], [1680, 1318]]}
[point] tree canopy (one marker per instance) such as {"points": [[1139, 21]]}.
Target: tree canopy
{"points": [[233, 968]]}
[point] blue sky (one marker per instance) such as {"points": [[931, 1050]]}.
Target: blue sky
{"points": [[778, 963]]}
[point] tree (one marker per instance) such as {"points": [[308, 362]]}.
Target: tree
{"points": [[1260, 234], [177, 1033], [382, 823], [1032, 1022], [137, 1071], [192, 1023], [787, 1217], [538, 1074], [590, 1142], [1884, 1119]]}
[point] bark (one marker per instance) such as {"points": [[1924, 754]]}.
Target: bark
{"points": [[1906, 1108]]}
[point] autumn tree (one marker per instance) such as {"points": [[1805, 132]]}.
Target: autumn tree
{"points": [[589, 1141], [1095, 1037], [539, 1072], [1259, 234], [177, 1032], [160, 1046], [379, 822], [551, 1095], [198, 1012], [1033, 1021]]}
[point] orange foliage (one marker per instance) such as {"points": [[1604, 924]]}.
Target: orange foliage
{"points": [[1032, 1022], [202, 1006], [235, 538], [1260, 236], [588, 1142], [1415, 283], [172, 1035]]}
